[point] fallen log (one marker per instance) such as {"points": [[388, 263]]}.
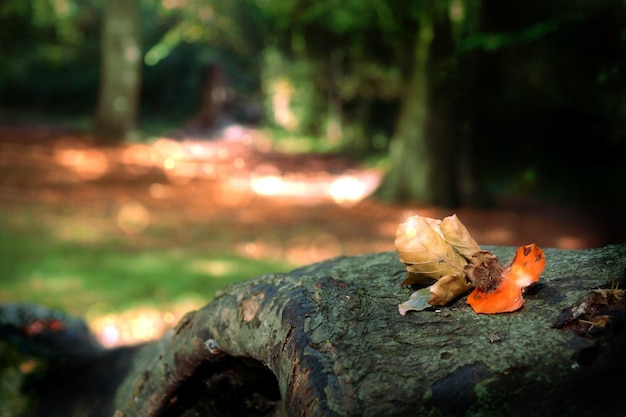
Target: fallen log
{"points": [[328, 340]]}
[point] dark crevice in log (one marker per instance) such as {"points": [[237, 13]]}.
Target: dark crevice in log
{"points": [[228, 387]]}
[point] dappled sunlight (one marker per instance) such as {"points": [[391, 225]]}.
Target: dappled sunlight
{"points": [[132, 217], [239, 134], [317, 187], [139, 158], [282, 91], [167, 151], [138, 324], [346, 189], [235, 163], [216, 268], [297, 250], [261, 248], [158, 190], [349, 189], [152, 221], [266, 179], [181, 172], [88, 164], [268, 185]]}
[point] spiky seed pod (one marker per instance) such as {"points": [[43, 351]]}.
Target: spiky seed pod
{"points": [[484, 271]]}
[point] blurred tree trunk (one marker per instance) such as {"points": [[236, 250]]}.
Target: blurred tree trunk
{"points": [[429, 160], [411, 165], [465, 22], [444, 146], [120, 78], [216, 102]]}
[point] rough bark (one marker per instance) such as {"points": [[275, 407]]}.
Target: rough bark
{"points": [[327, 340], [331, 335]]}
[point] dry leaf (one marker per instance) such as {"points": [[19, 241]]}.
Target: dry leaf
{"points": [[444, 250], [440, 293], [455, 233], [448, 288], [430, 253], [421, 247]]}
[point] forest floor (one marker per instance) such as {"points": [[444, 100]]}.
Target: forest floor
{"points": [[237, 194]]}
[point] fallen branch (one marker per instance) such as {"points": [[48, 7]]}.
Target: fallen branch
{"points": [[327, 340]]}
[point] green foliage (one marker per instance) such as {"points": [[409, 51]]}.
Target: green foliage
{"points": [[40, 65], [235, 26], [495, 41], [283, 80]]}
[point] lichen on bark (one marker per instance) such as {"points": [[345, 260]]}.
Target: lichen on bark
{"points": [[327, 340], [332, 336]]}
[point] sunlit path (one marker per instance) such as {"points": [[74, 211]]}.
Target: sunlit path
{"points": [[168, 222]]}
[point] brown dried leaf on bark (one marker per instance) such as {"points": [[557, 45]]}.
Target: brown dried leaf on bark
{"points": [[443, 250], [422, 248], [456, 234], [434, 249]]}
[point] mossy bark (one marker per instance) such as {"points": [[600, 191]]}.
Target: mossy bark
{"points": [[327, 340]]}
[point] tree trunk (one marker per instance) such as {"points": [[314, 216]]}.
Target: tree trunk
{"points": [[431, 156], [445, 151], [328, 340], [120, 78], [411, 165], [216, 102]]}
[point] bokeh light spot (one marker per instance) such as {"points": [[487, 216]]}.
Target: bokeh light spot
{"points": [[133, 218], [222, 153], [88, 164], [266, 180], [157, 190], [346, 190], [214, 268], [239, 163]]}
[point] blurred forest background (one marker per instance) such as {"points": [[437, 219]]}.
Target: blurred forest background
{"points": [[510, 113], [518, 97]]}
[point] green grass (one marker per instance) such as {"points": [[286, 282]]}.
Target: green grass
{"points": [[111, 273]]}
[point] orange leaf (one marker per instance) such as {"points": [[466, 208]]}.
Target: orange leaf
{"points": [[527, 265], [507, 297], [525, 269]]}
